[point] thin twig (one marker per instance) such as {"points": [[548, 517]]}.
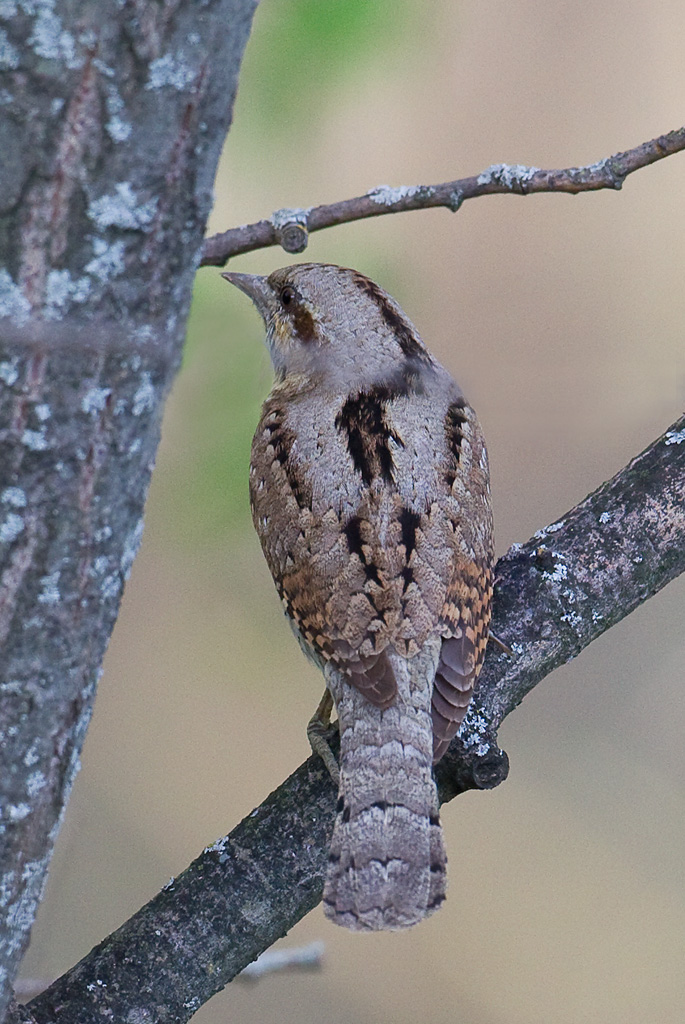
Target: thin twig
{"points": [[554, 595], [273, 961], [290, 228]]}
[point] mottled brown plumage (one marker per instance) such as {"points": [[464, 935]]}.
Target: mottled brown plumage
{"points": [[370, 494]]}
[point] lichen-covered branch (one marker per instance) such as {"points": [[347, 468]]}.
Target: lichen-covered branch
{"points": [[290, 228], [111, 125], [554, 595], [569, 583]]}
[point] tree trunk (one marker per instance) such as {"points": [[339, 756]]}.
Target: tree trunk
{"points": [[112, 117]]}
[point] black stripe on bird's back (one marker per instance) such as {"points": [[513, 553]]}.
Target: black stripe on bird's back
{"points": [[401, 328], [353, 535], [362, 419], [409, 522]]}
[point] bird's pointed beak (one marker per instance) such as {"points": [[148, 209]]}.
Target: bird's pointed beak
{"points": [[256, 287]]}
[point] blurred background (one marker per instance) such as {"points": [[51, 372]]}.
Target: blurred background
{"points": [[562, 317]]}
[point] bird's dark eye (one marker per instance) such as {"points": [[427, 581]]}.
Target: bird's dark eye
{"points": [[287, 295]]}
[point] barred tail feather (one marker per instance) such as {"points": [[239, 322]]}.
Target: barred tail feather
{"points": [[387, 863]]}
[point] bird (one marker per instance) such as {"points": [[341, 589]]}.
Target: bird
{"points": [[370, 495]]}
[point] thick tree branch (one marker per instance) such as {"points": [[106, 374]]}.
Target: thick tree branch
{"points": [[554, 596], [290, 228]]}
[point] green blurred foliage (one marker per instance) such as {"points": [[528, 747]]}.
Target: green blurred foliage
{"points": [[300, 50], [212, 413]]}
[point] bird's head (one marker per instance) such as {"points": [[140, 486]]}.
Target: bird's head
{"points": [[324, 321]]}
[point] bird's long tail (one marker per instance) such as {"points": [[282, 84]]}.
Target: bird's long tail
{"points": [[387, 863]]}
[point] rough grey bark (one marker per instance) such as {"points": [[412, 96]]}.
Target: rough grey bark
{"points": [[112, 117], [554, 595]]}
